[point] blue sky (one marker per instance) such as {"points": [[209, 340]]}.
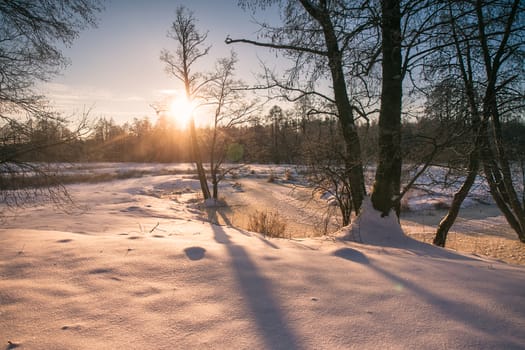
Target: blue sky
{"points": [[116, 70]]}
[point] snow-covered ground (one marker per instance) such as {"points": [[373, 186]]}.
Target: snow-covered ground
{"points": [[138, 265]]}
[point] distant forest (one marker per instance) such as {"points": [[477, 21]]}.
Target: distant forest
{"points": [[278, 137]]}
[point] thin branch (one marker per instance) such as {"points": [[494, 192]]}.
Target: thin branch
{"points": [[276, 46]]}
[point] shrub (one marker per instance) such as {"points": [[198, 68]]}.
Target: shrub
{"points": [[267, 223]]}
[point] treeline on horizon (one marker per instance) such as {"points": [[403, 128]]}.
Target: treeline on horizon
{"points": [[281, 136]]}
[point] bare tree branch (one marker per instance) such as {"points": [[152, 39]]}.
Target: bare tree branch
{"points": [[276, 46]]}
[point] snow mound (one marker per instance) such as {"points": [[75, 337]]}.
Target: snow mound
{"points": [[370, 227]]}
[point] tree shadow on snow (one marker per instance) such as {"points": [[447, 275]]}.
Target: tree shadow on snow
{"points": [[258, 296], [399, 240], [468, 314]]}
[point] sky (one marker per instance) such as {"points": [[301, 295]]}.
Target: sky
{"points": [[115, 68]]}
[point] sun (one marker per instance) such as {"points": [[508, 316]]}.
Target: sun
{"points": [[181, 109]]}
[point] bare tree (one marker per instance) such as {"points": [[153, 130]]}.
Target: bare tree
{"points": [[190, 48], [29, 36], [310, 35], [345, 41], [324, 155], [320, 35], [226, 95], [495, 161], [487, 43]]}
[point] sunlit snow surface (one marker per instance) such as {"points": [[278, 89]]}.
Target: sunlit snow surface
{"points": [[139, 265]]}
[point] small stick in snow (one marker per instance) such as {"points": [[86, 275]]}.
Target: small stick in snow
{"points": [[153, 229]]}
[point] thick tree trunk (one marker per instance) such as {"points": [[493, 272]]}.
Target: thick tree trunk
{"points": [[388, 174]]}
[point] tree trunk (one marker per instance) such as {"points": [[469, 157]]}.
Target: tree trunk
{"points": [[215, 189], [214, 180], [496, 164], [198, 161], [513, 201], [446, 223], [213, 166], [388, 174], [480, 130], [353, 162], [498, 189], [498, 175], [346, 208], [480, 133]]}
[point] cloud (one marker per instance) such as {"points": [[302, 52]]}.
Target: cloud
{"points": [[63, 92], [70, 99]]}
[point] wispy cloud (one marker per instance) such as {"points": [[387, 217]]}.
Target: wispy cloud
{"points": [[70, 99]]}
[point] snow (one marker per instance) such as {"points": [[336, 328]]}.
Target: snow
{"points": [[139, 266], [436, 187]]}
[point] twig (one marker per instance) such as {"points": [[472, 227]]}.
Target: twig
{"points": [[153, 229]]}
